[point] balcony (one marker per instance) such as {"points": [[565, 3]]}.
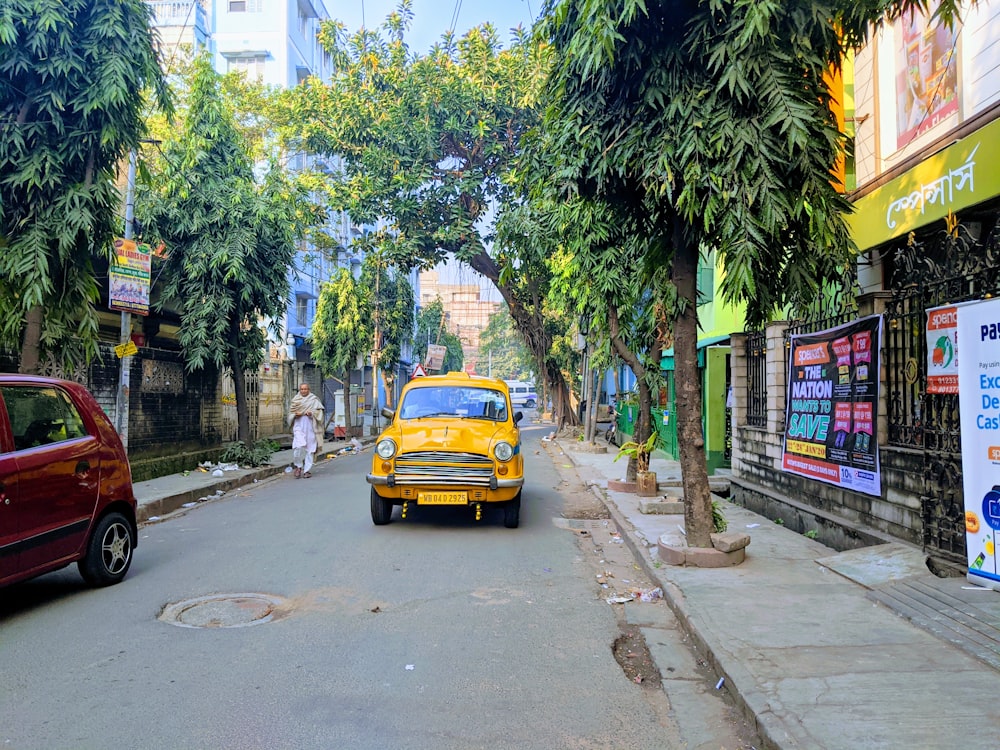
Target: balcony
{"points": [[180, 13]]}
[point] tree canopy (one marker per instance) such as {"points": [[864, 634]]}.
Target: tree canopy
{"points": [[229, 240], [711, 126], [73, 74]]}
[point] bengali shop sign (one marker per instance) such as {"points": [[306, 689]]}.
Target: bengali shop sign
{"points": [[832, 406]]}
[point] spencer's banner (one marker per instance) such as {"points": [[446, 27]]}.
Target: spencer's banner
{"points": [[832, 404]]}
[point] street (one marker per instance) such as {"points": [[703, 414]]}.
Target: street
{"points": [[431, 632]]}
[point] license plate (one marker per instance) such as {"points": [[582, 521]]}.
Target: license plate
{"points": [[442, 498]]}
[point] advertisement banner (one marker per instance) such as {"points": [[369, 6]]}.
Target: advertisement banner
{"points": [[926, 73], [979, 406], [832, 406], [129, 278], [942, 349]]}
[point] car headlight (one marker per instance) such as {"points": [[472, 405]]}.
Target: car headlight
{"points": [[503, 451], [386, 448]]}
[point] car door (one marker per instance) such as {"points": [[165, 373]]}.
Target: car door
{"points": [[58, 469], [8, 500]]}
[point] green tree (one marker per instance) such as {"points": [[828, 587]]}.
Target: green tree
{"points": [[426, 142], [72, 78], [432, 329], [502, 347], [713, 122], [341, 334], [389, 306], [229, 240], [599, 271]]}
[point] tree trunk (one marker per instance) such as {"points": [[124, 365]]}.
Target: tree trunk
{"points": [[531, 325], [690, 435], [387, 382], [31, 350], [240, 386], [643, 424]]}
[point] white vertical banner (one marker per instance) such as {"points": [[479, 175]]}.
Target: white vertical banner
{"points": [[979, 404]]}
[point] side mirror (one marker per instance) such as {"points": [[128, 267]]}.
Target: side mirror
{"points": [[518, 416], [388, 413]]}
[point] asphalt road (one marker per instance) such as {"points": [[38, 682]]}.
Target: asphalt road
{"points": [[432, 632]]}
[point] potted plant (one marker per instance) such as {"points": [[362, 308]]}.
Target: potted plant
{"points": [[641, 452]]}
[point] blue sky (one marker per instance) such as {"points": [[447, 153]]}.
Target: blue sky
{"points": [[434, 17]]}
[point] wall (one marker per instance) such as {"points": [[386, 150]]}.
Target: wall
{"points": [[841, 519]]}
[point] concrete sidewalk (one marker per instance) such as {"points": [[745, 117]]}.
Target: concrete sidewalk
{"points": [[163, 495], [858, 649]]}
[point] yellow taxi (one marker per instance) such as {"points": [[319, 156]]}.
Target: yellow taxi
{"points": [[453, 441]]}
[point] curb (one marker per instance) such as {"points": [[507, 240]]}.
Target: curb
{"points": [[766, 728], [162, 506]]}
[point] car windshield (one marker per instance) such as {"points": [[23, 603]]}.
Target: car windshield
{"points": [[458, 401]]}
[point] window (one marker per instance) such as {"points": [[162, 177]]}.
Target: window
{"points": [[301, 311], [252, 65], [40, 416], [245, 6]]}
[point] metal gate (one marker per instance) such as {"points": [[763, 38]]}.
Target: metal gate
{"points": [[956, 265]]}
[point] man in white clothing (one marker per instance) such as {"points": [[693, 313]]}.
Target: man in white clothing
{"points": [[306, 420]]}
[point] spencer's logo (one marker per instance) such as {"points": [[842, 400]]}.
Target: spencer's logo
{"points": [[943, 319], [812, 355]]}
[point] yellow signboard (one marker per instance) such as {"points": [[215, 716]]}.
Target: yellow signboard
{"points": [[126, 350], [957, 177]]}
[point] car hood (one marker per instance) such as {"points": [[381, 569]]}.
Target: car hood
{"points": [[459, 435]]}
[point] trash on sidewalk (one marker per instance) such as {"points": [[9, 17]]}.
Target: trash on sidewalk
{"points": [[651, 595], [620, 599], [288, 469]]}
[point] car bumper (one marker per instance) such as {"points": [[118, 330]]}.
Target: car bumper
{"points": [[399, 490], [394, 480]]}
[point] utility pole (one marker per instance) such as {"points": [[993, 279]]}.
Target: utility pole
{"points": [[124, 378]]}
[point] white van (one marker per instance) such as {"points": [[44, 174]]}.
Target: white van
{"points": [[522, 394]]}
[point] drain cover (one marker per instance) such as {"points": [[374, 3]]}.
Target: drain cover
{"points": [[224, 611]]}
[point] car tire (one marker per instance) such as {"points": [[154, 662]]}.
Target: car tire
{"points": [[512, 512], [109, 551], [529, 404], [381, 509]]}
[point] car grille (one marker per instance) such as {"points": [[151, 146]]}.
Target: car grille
{"points": [[441, 467]]}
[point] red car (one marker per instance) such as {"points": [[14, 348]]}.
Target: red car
{"points": [[65, 484]]}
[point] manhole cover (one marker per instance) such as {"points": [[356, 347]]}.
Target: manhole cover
{"points": [[225, 611]]}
